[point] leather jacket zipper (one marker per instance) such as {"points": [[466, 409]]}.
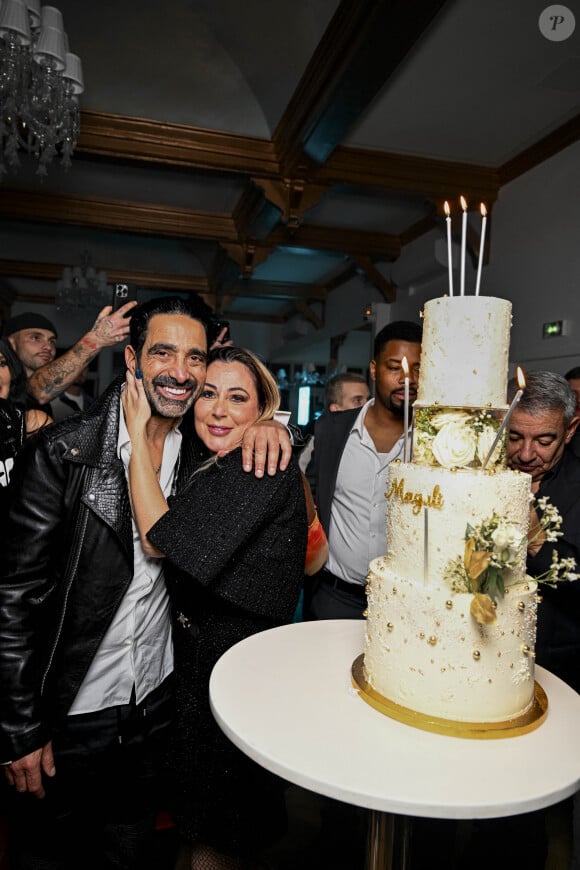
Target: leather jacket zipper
{"points": [[79, 535]]}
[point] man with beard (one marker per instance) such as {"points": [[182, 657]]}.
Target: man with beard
{"points": [[347, 475], [85, 644]]}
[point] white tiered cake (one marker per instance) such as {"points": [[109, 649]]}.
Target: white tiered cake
{"points": [[451, 614]]}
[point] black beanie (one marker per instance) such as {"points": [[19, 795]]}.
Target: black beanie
{"points": [[28, 320]]}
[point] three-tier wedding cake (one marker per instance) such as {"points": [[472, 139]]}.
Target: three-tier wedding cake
{"points": [[451, 614]]}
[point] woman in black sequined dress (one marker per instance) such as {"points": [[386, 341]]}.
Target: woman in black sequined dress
{"points": [[235, 548]]}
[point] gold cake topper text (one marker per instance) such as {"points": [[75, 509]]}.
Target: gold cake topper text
{"points": [[417, 499]]}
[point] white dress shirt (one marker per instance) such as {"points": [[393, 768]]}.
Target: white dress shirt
{"points": [[136, 650], [357, 532]]}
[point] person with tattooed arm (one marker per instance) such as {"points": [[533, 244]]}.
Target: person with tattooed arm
{"points": [[33, 338]]}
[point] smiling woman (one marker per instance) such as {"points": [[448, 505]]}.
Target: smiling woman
{"points": [[234, 547]]}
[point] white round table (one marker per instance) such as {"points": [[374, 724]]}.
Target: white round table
{"points": [[285, 698]]}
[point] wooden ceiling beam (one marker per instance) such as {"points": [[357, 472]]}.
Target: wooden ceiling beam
{"points": [[308, 314], [540, 151], [418, 229], [228, 153], [362, 47], [254, 215], [165, 221], [137, 217], [149, 280], [283, 291], [144, 141], [436, 179], [292, 197], [369, 270], [124, 138]]}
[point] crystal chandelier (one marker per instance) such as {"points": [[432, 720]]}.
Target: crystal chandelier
{"points": [[40, 82], [82, 288]]}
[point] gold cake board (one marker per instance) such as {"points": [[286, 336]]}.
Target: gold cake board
{"points": [[528, 721]]}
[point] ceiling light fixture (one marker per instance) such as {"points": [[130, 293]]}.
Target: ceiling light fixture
{"points": [[40, 83], [82, 287]]}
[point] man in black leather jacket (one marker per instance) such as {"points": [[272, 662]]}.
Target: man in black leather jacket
{"points": [[85, 651]]}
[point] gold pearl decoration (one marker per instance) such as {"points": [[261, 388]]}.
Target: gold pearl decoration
{"points": [[365, 614], [525, 649], [422, 635], [476, 655], [449, 604], [394, 590], [521, 605], [539, 599], [432, 640], [390, 626]]}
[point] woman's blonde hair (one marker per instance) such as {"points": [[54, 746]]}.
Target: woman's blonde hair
{"points": [[266, 389]]}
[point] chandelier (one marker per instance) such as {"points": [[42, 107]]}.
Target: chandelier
{"points": [[82, 288], [40, 82]]}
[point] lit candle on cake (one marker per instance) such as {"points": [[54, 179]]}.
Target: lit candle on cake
{"points": [[426, 547], [405, 367], [447, 211], [521, 384], [463, 202], [481, 246]]}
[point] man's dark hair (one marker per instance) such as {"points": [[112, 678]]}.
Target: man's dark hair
{"points": [[193, 307], [17, 393], [333, 389], [399, 330], [545, 391], [573, 374]]}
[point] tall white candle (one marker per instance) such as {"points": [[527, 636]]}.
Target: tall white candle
{"points": [[405, 367], [481, 247], [463, 241], [426, 547], [449, 257], [521, 384]]}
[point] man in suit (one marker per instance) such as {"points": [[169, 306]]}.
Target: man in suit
{"points": [[347, 475], [343, 391]]}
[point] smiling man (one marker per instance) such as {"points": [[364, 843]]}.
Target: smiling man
{"points": [[85, 643]]}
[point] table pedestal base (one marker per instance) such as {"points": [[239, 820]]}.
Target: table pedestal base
{"points": [[389, 841]]}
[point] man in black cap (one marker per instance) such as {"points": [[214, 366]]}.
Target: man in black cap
{"points": [[33, 338]]}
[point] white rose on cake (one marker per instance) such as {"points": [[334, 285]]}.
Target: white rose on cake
{"points": [[454, 445], [438, 421]]}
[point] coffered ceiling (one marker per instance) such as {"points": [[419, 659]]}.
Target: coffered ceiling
{"points": [[261, 153]]}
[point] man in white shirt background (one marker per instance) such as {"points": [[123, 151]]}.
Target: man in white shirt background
{"points": [[347, 475]]}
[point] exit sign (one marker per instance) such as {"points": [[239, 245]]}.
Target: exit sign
{"points": [[553, 329]]}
